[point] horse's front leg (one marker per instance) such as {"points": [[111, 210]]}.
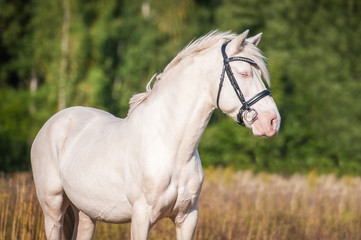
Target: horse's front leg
{"points": [[186, 229], [140, 221]]}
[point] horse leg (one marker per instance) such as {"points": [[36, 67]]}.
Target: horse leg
{"points": [[186, 229], [54, 207], [84, 226], [140, 221], [52, 199]]}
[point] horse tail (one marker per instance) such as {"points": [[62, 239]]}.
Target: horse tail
{"points": [[69, 223]]}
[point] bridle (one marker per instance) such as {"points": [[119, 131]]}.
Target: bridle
{"points": [[245, 111]]}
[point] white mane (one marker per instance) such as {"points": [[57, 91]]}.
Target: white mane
{"points": [[196, 47]]}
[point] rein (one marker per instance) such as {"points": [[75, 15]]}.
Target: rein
{"points": [[245, 111]]}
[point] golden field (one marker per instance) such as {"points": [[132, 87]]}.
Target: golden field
{"points": [[233, 205]]}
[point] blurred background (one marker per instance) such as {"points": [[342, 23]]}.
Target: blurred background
{"points": [[61, 53]]}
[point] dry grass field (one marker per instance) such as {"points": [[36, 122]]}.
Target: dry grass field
{"points": [[233, 205]]}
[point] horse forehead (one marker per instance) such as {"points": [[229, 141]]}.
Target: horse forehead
{"points": [[240, 66]]}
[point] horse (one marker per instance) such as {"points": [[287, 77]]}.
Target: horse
{"points": [[89, 165]]}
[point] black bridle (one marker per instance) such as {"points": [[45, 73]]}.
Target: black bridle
{"points": [[246, 109]]}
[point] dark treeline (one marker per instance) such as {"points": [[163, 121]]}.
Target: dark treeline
{"points": [[61, 53]]}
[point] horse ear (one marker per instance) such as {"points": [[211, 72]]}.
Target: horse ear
{"points": [[255, 39], [235, 46]]}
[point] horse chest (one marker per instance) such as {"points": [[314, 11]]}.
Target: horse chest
{"points": [[176, 195], [188, 194], [175, 200]]}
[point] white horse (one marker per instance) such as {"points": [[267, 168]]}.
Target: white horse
{"points": [[146, 166]]}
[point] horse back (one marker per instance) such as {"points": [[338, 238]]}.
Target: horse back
{"points": [[52, 137]]}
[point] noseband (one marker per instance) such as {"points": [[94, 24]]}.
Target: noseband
{"points": [[245, 112]]}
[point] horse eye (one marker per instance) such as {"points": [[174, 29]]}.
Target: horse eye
{"points": [[244, 74]]}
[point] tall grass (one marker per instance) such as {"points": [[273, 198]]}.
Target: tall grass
{"points": [[20, 214], [233, 205]]}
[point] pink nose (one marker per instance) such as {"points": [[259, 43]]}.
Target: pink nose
{"points": [[274, 126]]}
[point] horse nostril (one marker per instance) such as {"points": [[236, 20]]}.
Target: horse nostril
{"points": [[274, 123]]}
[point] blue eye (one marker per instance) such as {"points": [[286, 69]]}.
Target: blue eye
{"points": [[244, 74]]}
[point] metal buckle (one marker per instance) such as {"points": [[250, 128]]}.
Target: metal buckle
{"points": [[248, 116]]}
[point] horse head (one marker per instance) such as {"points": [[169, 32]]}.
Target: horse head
{"points": [[241, 94]]}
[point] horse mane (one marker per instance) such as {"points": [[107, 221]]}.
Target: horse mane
{"points": [[138, 98], [196, 47]]}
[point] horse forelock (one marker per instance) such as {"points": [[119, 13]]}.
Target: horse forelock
{"points": [[197, 47]]}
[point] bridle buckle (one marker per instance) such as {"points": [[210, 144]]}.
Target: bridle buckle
{"points": [[250, 115]]}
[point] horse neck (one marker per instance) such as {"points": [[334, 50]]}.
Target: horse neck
{"points": [[180, 105]]}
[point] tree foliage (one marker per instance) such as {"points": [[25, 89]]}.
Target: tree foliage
{"points": [[116, 46]]}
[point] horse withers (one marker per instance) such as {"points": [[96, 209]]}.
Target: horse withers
{"points": [[93, 166]]}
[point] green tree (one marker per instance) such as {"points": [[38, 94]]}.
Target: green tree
{"points": [[113, 48]]}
